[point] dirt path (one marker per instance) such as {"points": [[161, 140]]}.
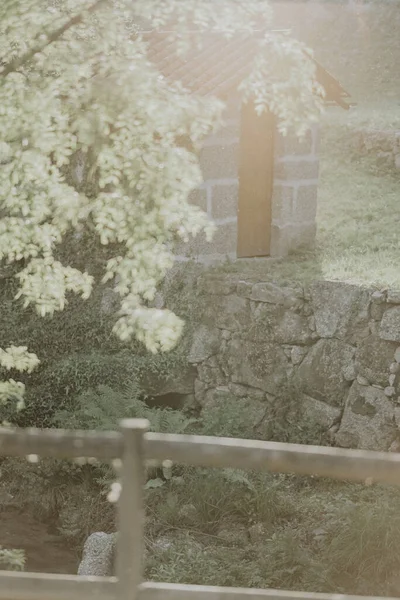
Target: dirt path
{"points": [[44, 552]]}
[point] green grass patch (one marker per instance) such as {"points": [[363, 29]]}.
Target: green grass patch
{"points": [[231, 528]]}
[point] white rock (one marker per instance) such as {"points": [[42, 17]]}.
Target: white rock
{"points": [[297, 354], [389, 391], [378, 297]]}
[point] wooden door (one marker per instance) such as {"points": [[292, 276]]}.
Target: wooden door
{"points": [[255, 183]]}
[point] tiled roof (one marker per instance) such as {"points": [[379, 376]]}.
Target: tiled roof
{"points": [[218, 67]]}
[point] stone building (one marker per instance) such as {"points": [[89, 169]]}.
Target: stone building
{"points": [[259, 188]]}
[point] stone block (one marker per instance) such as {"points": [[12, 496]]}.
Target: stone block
{"points": [[267, 292], [289, 169], [200, 389], [318, 413], [316, 134], [258, 365], [291, 238], [220, 161], [282, 203], [280, 240], [297, 354], [224, 201], [216, 396], [374, 357], [244, 391], [305, 208], [244, 288], [320, 374], [206, 342], [291, 329], [377, 311], [390, 325], [290, 144], [225, 239], [216, 283], [231, 312], [302, 236], [211, 375], [368, 420], [340, 309], [264, 319], [199, 198]]}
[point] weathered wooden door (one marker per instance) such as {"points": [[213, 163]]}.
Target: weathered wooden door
{"points": [[255, 183]]}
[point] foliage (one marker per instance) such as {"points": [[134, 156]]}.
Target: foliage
{"points": [[19, 359], [78, 350], [12, 560], [103, 408], [229, 417], [77, 92], [62, 382]]}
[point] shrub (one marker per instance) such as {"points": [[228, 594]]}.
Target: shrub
{"points": [[103, 408]]}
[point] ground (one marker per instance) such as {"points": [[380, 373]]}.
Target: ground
{"points": [[21, 530], [358, 214]]}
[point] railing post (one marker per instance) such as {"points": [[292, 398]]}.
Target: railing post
{"points": [[131, 510]]}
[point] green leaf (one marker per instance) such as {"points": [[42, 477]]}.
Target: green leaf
{"points": [[154, 483]]}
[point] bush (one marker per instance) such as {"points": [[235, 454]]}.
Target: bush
{"points": [[103, 408], [12, 560]]}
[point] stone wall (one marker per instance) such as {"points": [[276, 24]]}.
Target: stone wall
{"points": [[294, 201], [383, 145], [336, 345]]}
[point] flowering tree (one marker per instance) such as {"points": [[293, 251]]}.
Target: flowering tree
{"points": [[78, 94]]}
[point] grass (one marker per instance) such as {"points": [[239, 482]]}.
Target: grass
{"points": [[216, 528], [358, 217]]}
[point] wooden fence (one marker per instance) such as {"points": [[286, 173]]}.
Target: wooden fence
{"points": [[135, 445]]}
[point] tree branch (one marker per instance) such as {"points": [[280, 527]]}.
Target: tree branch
{"points": [[16, 64]]}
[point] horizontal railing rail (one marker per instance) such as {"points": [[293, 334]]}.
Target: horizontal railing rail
{"points": [[35, 586], [213, 452]]}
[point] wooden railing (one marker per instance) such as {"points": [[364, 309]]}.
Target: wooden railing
{"points": [[134, 445]]}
